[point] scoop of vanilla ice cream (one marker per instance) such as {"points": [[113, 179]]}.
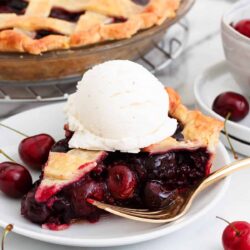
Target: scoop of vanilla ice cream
{"points": [[119, 105]]}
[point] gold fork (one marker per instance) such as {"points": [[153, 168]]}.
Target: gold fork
{"points": [[179, 206]]}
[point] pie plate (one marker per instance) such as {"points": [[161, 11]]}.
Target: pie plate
{"points": [[211, 83], [110, 230]]}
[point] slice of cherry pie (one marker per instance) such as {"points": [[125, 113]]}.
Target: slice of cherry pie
{"points": [[143, 180], [36, 26]]}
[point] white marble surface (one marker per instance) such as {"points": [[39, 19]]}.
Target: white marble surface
{"points": [[206, 233]]}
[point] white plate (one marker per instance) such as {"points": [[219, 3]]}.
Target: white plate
{"points": [[109, 231], [208, 86]]}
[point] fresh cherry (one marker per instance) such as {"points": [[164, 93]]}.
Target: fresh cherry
{"points": [[243, 27], [121, 182], [15, 180], [231, 103], [156, 196], [236, 235], [34, 150]]}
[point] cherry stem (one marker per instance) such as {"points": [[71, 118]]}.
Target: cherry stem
{"points": [[227, 136], [17, 131], [5, 232], [230, 224], [7, 156]]}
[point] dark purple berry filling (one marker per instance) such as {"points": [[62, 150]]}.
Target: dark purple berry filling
{"points": [[13, 6], [119, 19], [61, 146], [176, 169], [178, 133], [157, 196], [63, 14], [141, 2], [36, 212], [42, 33], [130, 180]]}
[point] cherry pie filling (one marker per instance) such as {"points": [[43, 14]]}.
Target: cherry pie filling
{"points": [[130, 180], [13, 6], [62, 14], [141, 2]]}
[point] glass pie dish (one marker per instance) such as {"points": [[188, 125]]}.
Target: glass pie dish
{"points": [[69, 65]]}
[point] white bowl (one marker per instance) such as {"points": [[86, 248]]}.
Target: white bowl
{"points": [[208, 86], [237, 46]]}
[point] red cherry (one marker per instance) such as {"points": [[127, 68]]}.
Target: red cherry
{"points": [[121, 182], [236, 236], [243, 27], [233, 103], [34, 150], [15, 180]]}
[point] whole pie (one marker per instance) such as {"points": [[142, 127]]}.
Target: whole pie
{"points": [[125, 179], [37, 26]]}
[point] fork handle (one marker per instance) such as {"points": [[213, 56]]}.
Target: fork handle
{"points": [[223, 172]]}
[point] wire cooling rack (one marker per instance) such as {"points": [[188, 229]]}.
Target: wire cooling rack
{"points": [[157, 59]]}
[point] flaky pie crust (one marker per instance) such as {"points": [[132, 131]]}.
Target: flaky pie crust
{"points": [[199, 130], [94, 26]]}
